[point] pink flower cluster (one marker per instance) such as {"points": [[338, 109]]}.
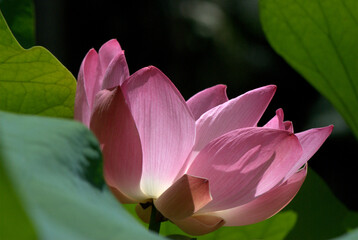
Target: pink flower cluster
{"points": [[204, 163]]}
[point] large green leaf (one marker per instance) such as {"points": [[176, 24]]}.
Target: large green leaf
{"points": [[49, 162], [319, 39], [33, 81], [12, 208], [20, 17]]}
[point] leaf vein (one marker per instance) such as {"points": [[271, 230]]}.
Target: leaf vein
{"points": [[318, 71]]}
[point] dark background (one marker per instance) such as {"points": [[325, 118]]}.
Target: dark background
{"points": [[198, 44]]}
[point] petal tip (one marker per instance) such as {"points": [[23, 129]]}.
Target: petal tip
{"points": [[272, 86], [329, 129], [268, 90], [89, 56], [113, 43], [152, 68], [279, 111], [92, 51], [222, 86]]}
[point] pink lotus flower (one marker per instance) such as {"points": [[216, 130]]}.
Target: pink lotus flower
{"points": [[203, 163]]}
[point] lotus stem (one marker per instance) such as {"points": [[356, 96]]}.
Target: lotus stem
{"points": [[154, 224]]}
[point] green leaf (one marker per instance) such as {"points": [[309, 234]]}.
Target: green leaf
{"points": [[320, 214], [48, 161], [319, 39], [21, 19], [33, 81], [12, 208]]}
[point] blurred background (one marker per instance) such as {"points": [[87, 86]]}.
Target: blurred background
{"points": [[198, 44]]}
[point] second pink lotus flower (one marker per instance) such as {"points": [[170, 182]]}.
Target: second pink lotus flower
{"points": [[204, 163]]}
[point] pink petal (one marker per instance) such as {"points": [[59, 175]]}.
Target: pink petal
{"points": [[207, 99], [310, 140], [243, 111], [182, 199], [116, 73], [243, 164], [288, 126], [200, 225], [107, 52], [266, 205], [277, 122], [84, 90], [165, 124], [115, 129]]}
